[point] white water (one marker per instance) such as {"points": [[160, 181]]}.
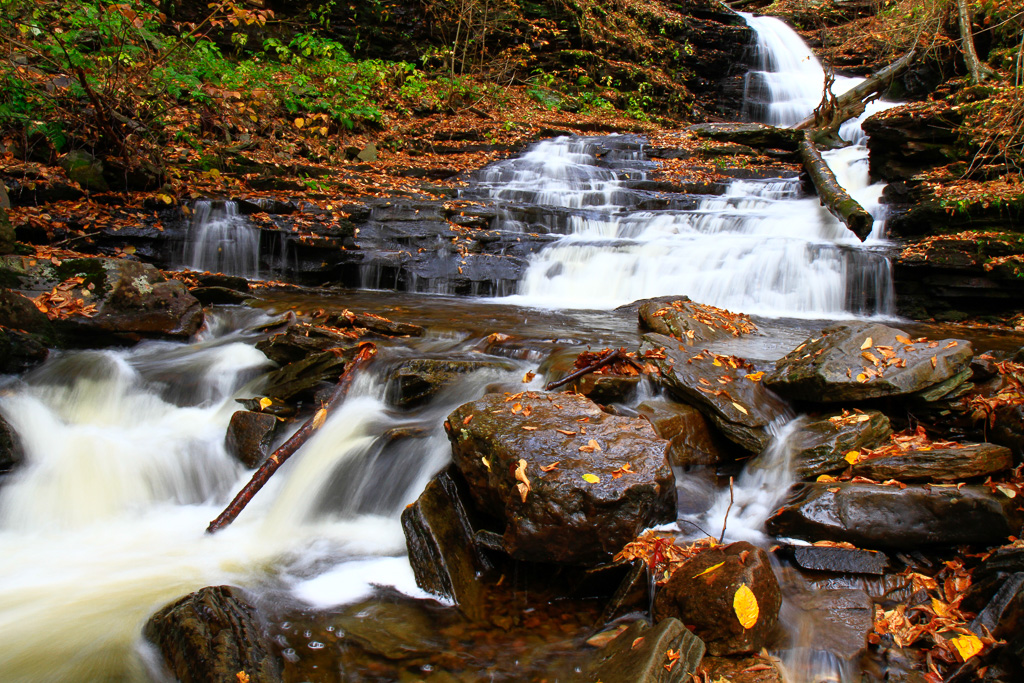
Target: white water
{"points": [[762, 247], [125, 466], [222, 241]]}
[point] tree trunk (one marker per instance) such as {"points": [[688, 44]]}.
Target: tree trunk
{"points": [[974, 65], [837, 200], [851, 102], [6, 229]]}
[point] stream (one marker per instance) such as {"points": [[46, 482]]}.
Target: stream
{"points": [[126, 463]]}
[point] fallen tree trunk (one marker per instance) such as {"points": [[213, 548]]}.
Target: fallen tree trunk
{"points": [[836, 199], [851, 102], [288, 448]]}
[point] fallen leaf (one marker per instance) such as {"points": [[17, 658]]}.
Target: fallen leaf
{"points": [[265, 403], [242, 677], [524, 481], [827, 478], [528, 377], [744, 603], [740, 408], [517, 407], [621, 471], [466, 420], [637, 642], [566, 432], [903, 340], [853, 457], [529, 428], [548, 468], [967, 646], [935, 361], [319, 417], [709, 569], [591, 478], [755, 376], [867, 344], [486, 462], [673, 657]]}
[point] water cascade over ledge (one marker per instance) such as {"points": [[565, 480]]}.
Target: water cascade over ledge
{"points": [[222, 241]]}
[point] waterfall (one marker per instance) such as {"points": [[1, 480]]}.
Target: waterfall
{"points": [[761, 247], [221, 240]]}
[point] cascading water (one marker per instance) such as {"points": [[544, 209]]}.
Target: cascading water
{"points": [[760, 248], [220, 240]]}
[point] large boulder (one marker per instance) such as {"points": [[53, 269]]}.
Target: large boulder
{"points": [[860, 360], [898, 517], [726, 389], [693, 323], [729, 596], [20, 351], [667, 652], [11, 453], [113, 298], [821, 445], [571, 483], [210, 636]]}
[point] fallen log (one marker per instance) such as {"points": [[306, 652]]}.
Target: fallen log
{"points": [[836, 199], [607, 359], [270, 465], [851, 102]]}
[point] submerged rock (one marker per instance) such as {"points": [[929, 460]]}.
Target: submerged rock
{"points": [[705, 591], [593, 480], [722, 387], [858, 361], [442, 548], [839, 619], [665, 653], [836, 559], [418, 380], [749, 669], [821, 446], [210, 636], [878, 516], [394, 629], [691, 440], [298, 341], [939, 464]]}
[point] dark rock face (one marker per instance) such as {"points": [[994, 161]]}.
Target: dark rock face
{"points": [[211, 635], [858, 361], [702, 591], [303, 379], [299, 341], [876, 516], [692, 323], [752, 134], [418, 380], [86, 170], [940, 464], [11, 453], [20, 351], [132, 299], [249, 436], [727, 393], [822, 445], [442, 549], [563, 516], [837, 560], [25, 332], [842, 619], [749, 669], [691, 440], [640, 654]]}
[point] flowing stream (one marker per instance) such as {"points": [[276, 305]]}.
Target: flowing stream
{"points": [[125, 458]]}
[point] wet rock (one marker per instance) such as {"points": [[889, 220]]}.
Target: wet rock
{"points": [[20, 351], [374, 323], [393, 629], [939, 464], [835, 559], [821, 446], [418, 380], [725, 390], [691, 440], [233, 282], [1003, 616], [132, 299], [839, 619], [249, 436], [750, 669], [702, 590], [18, 312], [211, 635], [11, 453], [604, 386], [562, 517], [300, 340], [639, 654], [442, 547], [752, 134], [877, 516], [86, 170], [840, 364], [693, 323], [302, 379], [219, 295]]}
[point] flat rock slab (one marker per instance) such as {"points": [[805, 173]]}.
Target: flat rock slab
{"points": [[835, 559], [640, 654], [859, 361], [877, 516], [726, 390], [753, 134], [821, 445], [940, 464], [594, 480], [417, 380], [693, 323]]}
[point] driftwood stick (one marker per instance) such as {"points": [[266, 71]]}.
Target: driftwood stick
{"points": [[850, 103], [288, 448], [604, 360], [725, 521], [835, 198]]}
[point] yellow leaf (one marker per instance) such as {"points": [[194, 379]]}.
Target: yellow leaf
{"points": [[214, 173], [827, 478], [745, 605], [967, 646], [128, 250], [165, 198], [755, 376], [242, 677], [940, 608], [318, 419], [862, 377], [716, 363], [486, 462], [867, 344], [740, 408], [265, 403], [903, 340], [710, 569], [323, 130], [853, 457], [300, 122], [591, 478]]}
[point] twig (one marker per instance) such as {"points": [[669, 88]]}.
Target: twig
{"points": [[606, 359], [263, 473], [726, 520]]}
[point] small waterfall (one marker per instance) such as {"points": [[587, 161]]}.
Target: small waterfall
{"points": [[222, 241]]}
